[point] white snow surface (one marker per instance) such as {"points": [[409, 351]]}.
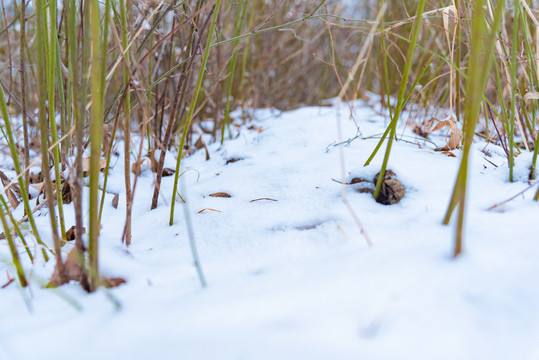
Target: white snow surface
{"points": [[295, 278]]}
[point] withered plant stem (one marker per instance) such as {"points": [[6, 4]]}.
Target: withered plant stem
{"points": [[127, 123]]}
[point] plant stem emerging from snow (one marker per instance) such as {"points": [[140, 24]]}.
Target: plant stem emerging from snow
{"points": [[478, 70], [96, 138], [193, 106], [402, 91], [127, 125], [44, 130]]}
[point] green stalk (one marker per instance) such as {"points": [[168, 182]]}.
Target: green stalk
{"points": [[41, 82], [232, 67], [23, 93], [96, 138], [64, 113], [11, 243], [400, 104], [74, 81], [479, 64], [386, 72], [192, 106], [458, 50], [51, 82]]}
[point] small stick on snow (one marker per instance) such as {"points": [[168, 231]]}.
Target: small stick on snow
{"points": [[512, 197]]}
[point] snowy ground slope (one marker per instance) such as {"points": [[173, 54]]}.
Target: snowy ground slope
{"points": [[294, 278]]}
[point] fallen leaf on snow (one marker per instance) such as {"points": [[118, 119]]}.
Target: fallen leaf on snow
{"points": [[449, 153], [72, 271], [112, 282], [221, 195], [454, 139]]}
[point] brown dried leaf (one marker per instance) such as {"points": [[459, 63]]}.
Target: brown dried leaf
{"points": [[67, 193], [12, 191], [12, 199], [357, 180], [441, 125], [41, 190], [200, 144], [35, 178], [221, 195], [37, 186], [115, 201], [449, 153], [167, 172], [112, 282], [86, 166], [454, 139], [72, 270], [233, 160], [258, 129], [71, 234]]}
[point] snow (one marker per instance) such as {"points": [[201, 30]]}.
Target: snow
{"points": [[294, 278]]}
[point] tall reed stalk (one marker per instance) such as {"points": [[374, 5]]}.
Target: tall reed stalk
{"points": [[78, 112], [51, 99], [23, 46], [96, 139], [479, 65], [41, 79]]}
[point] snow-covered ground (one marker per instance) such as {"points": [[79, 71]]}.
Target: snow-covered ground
{"points": [[294, 278]]}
